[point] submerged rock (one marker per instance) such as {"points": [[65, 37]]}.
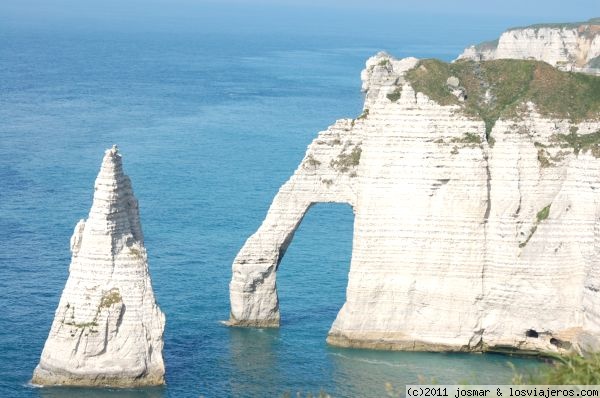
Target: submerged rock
{"points": [[107, 329]]}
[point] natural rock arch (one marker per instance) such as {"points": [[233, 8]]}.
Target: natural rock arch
{"points": [[459, 240], [328, 173]]}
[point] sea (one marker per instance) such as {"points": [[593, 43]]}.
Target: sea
{"points": [[212, 109]]}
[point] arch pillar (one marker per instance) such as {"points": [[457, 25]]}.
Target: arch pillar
{"points": [[318, 179]]}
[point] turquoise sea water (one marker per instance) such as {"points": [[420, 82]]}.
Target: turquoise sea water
{"points": [[211, 122]]}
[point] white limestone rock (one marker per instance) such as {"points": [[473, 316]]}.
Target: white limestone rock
{"points": [[107, 329], [327, 174], [572, 47], [443, 254], [453, 82]]}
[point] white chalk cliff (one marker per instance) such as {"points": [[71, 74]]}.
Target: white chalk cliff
{"points": [[572, 46], [461, 242], [107, 329]]}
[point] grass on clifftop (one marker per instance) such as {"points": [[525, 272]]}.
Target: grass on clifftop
{"points": [[499, 88], [487, 45], [559, 25]]}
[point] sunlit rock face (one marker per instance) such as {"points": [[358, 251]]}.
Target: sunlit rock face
{"points": [[461, 242], [107, 329], [571, 46]]}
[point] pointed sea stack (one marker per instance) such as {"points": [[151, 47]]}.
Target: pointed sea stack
{"points": [[107, 329]]}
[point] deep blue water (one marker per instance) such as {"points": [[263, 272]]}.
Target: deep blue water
{"points": [[211, 122]]}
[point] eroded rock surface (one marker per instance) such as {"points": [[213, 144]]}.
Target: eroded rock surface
{"points": [[569, 46], [464, 239], [107, 329]]}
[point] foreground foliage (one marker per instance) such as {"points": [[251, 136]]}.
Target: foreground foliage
{"points": [[569, 370]]}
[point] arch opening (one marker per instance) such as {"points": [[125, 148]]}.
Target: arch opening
{"points": [[313, 272]]}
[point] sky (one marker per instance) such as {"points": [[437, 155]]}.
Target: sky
{"points": [[434, 19], [545, 10], [553, 9]]}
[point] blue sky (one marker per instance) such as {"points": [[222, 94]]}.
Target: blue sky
{"points": [[552, 9], [543, 10], [330, 16]]}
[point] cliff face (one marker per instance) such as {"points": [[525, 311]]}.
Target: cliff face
{"points": [[107, 329], [567, 46], [475, 214]]}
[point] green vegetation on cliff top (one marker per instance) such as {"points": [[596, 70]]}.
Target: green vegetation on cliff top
{"points": [[487, 45], [500, 88], [587, 30], [559, 25]]}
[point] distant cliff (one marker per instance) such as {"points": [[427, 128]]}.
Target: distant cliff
{"points": [[476, 193], [569, 46]]}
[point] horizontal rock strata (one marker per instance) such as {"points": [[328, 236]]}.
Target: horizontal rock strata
{"points": [[571, 46], [464, 240], [107, 329]]}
